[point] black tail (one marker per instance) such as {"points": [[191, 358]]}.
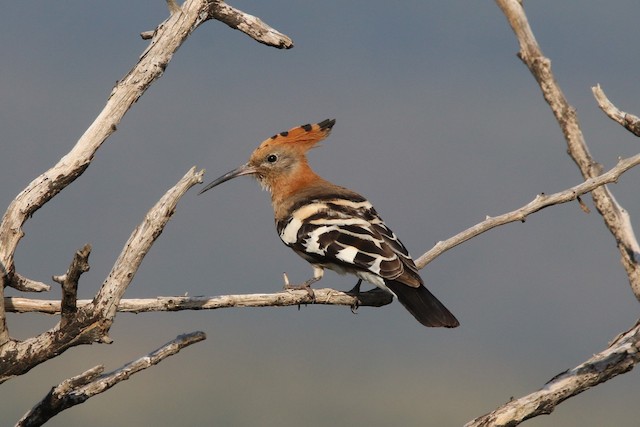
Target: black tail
{"points": [[423, 305]]}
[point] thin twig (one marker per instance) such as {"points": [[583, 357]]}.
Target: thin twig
{"points": [[540, 202], [628, 121], [24, 284]]}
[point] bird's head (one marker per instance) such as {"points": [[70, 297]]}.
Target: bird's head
{"points": [[280, 157]]}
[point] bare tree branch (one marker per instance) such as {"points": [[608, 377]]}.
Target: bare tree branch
{"points": [[621, 356], [92, 322], [69, 282], [25, 284], [150, 67], [251, 25], [540, 202], [248, 24], [106, 301], [629, 121], [326, 296], [77, 390], [614, 215], [166, 40]]}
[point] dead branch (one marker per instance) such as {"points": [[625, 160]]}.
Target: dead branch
{"points": [[326, 296], [69, 283], [25, 284], [92, 322], [106, 301], [251, 25], [628, 121], [621, 356], [615, 216], [540, 202], [166, 40], [78, 389]]}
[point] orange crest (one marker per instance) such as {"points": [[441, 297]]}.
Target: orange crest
{"points": [[301, 138]]}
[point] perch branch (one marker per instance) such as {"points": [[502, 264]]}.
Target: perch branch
{"points": [[621, 356], [77, 390], [614, 215], [628, 121], [324, 296], [540, 202]]}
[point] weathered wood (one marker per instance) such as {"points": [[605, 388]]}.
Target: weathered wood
{"points": [[92, 321], [326, 296], [614, 215], [78, 389], [621, 356], [628, 121]]}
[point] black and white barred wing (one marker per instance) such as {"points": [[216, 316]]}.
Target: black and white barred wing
{"points": [[346, 235]]}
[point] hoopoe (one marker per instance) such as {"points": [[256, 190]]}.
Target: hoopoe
{"points": [[333, 227]]}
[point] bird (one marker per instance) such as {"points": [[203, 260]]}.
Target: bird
{"points": [[332, 227]]}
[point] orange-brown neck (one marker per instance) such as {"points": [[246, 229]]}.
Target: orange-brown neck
{"points": [[285, 187]]}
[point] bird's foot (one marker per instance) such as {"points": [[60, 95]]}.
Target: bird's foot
{"points": [[355, 292], [306, 286]]}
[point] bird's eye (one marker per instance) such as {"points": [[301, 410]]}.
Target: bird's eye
{"points": [[272, 158]]}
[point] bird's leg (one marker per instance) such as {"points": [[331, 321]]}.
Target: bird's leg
{"points": [[355, 291], [306, 285]]}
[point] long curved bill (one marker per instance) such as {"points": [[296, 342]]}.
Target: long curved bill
{"points": [[242, 170]]}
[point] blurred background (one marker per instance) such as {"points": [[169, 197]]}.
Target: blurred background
{"points": [[438, 124]]}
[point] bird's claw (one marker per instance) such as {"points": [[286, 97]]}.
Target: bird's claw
{"points": [[354, 307], [355, 292], [304, 286]]}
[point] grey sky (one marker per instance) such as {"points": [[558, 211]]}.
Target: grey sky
{"points": [[438, 123]]}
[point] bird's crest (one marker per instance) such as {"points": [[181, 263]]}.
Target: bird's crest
{"points": [[301, 138]]}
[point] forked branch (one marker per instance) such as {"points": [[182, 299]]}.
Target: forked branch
{"points": [[166, 40], [615, 216], [622, 355], [93, 321]]}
